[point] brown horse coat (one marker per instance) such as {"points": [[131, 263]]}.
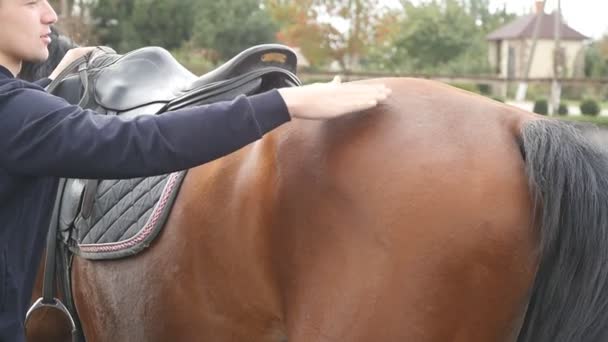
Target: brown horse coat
{"points": [[410, 222]]}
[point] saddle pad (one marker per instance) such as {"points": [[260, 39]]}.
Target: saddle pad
{"points": [[126, 217]]}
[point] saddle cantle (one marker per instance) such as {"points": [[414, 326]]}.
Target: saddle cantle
{"points": [[110, 219]]}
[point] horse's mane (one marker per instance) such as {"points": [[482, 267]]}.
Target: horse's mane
{"points": [[59, 46]]}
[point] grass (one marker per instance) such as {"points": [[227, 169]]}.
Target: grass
{"points": [[601, 121]]}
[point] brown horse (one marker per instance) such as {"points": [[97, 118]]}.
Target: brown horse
{"points": [[438, 216]]}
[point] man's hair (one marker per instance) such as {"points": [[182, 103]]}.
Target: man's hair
{"points": [[59, 46]]}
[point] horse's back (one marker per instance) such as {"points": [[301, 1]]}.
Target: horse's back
{"points": [[409, 222]]}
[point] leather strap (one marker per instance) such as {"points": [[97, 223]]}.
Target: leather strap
{"points": [[48, 285]]}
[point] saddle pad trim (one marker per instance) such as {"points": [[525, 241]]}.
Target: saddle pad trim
{"points": [[144, 237]]}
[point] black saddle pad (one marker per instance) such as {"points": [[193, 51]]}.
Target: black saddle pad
{"points": [[127, 215]]}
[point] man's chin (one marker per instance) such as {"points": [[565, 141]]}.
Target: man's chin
{"points": [[42, 56]]}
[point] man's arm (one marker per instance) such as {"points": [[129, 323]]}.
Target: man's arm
{"points": [[43, 135], [43, 82]]}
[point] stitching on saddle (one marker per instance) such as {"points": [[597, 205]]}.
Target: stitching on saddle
{"points": [[115, 182], [138, 225], [93, 224], [142, 234], [123, 199], [144, 198]]}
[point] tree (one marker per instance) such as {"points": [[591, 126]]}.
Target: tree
{"points": [[596, 59], [112, 22], [486, 20], [231, 26], [74, 21], [342, 30], [298, 27], [166, 23], [446, 36], [435, 33], [128, 24]]}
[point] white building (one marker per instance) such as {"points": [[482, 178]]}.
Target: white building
{"points": [[510, 47]]}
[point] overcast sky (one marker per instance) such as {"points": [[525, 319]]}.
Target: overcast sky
{"points": [[590, 17]]}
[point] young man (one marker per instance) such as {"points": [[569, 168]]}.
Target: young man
{"points": [[42, 138]]}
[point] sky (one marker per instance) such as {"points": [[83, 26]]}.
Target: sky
{"points": [[589, 17]]}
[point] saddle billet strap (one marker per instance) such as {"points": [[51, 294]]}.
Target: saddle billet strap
{"points": [[88, 198], [48, 285]]}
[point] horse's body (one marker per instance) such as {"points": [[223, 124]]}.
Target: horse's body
{"points": [[411, 222]]}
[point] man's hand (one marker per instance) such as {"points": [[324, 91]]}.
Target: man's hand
{"points": [[321, 101], [69, 57]]}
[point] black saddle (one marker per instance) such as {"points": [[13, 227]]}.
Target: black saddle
{"points": [[151, 81]]}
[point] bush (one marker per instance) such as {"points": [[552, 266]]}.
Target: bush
{"points": [[484, 89], [466, 86], [562, 109], [590, 107], [541, 107], [198, 61], [537, 91]]}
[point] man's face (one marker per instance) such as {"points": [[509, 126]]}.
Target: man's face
{"points": [[24, 29]]}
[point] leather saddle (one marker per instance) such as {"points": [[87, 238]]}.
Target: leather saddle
{"points": [[150, 81]]}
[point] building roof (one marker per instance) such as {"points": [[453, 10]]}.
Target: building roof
{"points": [[523, 27]]}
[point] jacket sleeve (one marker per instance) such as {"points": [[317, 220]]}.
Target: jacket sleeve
{"points": [[43, 135]]}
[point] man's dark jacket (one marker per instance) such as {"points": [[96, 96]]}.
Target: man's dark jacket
{"points": [[43, 138]]}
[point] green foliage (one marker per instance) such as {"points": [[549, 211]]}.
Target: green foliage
{"points": [[113, 23], [435, 33], [538, 91], [438, 36], [166, 23], [231, 26], [596, 59], [590, 107], [195, 60], [443, 36], [484, 89], [129, 24], [541, 107], [227, 27], [467, 86], [562, 109]]}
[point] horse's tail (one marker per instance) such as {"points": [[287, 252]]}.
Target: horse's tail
{"points": [[568, 177]]}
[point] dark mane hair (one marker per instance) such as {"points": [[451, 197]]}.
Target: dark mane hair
{"points": [[60, 44]]}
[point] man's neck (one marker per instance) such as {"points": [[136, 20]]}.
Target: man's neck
{"points": [[14, 66]]}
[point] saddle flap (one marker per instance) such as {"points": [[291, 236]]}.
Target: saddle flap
{"points": [[70, 204]]}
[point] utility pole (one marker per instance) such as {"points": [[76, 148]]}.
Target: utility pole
{"points": [[556, 87], [522, 89]]}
